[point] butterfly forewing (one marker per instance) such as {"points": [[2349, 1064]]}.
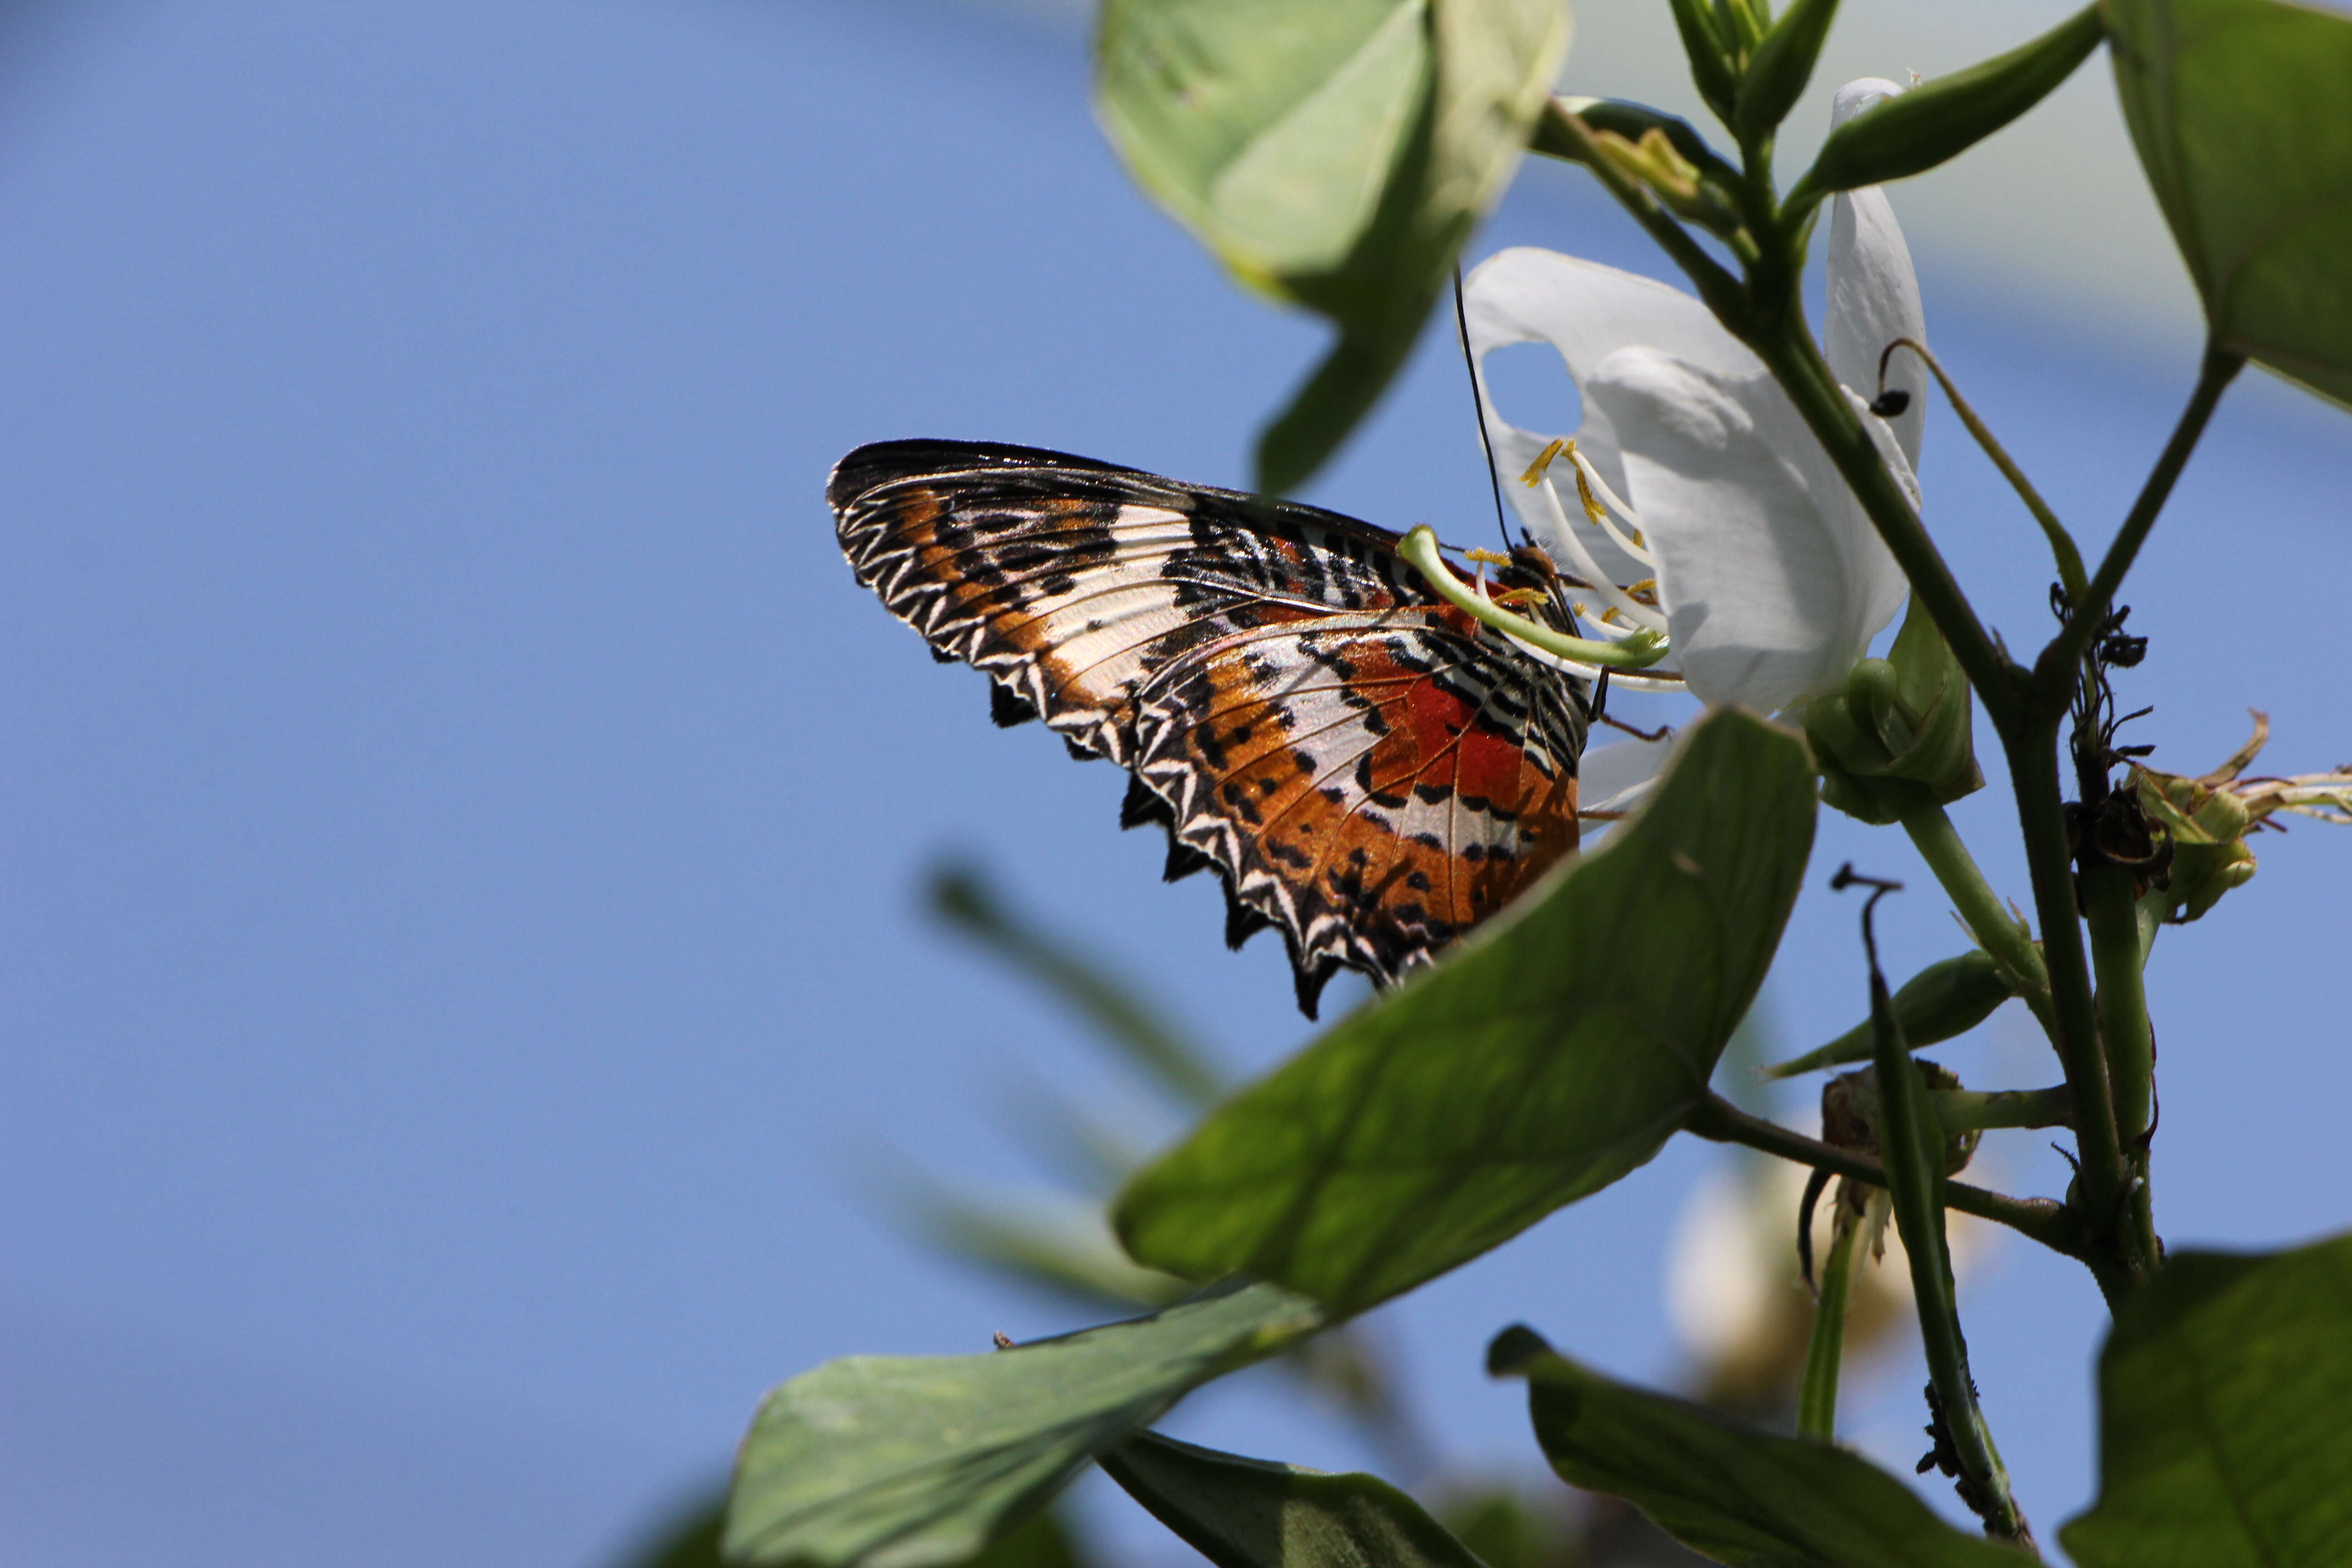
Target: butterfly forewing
{"points": [[1370, 771]]}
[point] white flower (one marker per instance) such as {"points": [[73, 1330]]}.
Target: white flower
{"points": [[1693, 498]]}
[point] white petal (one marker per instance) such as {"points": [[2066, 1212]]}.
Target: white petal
{"points": [[1770, 575], [1613, 777], [1873, 294], [1586, 311]]}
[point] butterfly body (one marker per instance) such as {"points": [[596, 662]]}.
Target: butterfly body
{"points": [[1369, 770]]}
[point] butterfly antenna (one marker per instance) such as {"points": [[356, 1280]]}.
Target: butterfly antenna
{"points": [[1478, 406]]}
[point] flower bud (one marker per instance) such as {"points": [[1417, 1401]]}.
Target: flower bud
{"points": [[1942, 117], [1942, 1001], [1901, 736], [1782, 66]]}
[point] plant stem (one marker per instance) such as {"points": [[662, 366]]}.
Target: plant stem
{"points": [[2118, 952], [1817, 1396], [2052, 1223], [2062, 544], [1971, 1110], [2121, 1000], [1911, 1146], [1989, 919], [1794, 360], [2033, 746], [2053, 672]]}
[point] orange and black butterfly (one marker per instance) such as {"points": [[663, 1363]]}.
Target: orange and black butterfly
{"points": [[1370, 771]]}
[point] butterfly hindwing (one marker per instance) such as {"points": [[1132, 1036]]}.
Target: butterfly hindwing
{"points": [[1370, 771]]}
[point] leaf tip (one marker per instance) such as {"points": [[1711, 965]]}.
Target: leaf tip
{"points": [[1514, 1349]]}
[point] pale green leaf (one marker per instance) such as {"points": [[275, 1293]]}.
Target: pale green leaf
{"points": [[1254, 1514], [1333, 155], [2225, 1417], [1556, 1052], [1738, 1493], [2240, 112], [913, 1461]]}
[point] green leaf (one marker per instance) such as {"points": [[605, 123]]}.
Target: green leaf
{"points": [[1941, 1002], [1735, 1491], [1947, 115], [1333, 156], [2238, 109], [909, 1461], [1554, 1053], [1783, 65], [1254, 1514], [2224, 1437]]}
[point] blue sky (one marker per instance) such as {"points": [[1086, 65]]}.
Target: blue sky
{"points": [[462, 823]]}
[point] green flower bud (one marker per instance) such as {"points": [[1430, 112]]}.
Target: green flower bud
{"points": [[1901, 736], [1939, 1003], [1782, 64], [1943, 118]]}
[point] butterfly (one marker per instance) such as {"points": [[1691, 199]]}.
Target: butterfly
{"points": [[1369, 770]]}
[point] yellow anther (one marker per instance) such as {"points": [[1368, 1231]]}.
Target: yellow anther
{"points": [[1485, 557], [1522, 596], [1645, 591], [1592, 512], [1534, 476]]}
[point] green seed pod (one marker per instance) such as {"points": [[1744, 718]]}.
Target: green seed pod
{"points": [[1941, 119], [1939, 1003], [1782, 64]]}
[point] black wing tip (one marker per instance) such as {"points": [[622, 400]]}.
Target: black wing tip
{"points": [[879, 463], [1006, 707]]}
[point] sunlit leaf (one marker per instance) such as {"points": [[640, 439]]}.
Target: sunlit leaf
{"points": [[2225, 1417], [1333, 155], [1556, 1051], [1254, 1514], [914, 1461], [1738, 1493], [2239, 109]]}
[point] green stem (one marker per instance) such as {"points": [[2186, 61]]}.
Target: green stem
{"points": [[2062, 543], [1722, 293], [2118, 952], [1911, 1145], [2052, 1225], [2033, 747], [1989, 919], [1971, 1110], [2053, 672], [2121, 1000], [1817, 1396]]}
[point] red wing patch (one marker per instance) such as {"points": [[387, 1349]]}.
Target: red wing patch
{"points": [[1369, 771]]}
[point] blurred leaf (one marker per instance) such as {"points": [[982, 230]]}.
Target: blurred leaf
{"points": [[2239, 110], [1947, 115], [1254, 1514], [1504, 1530], [1941, 1002], [913, 1461], [1555, 1052], [962, 897], [1333, 155], [691, 1541], [1738, 1493], [1049, 1246], [2225, 1417]]}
